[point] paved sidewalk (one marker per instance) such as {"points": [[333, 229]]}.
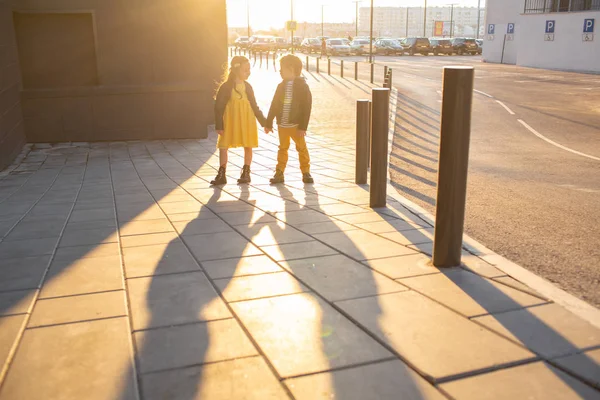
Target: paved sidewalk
{"points": [[123, 275]]}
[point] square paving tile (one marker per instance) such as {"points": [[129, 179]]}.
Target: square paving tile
{"points": [[325, 227], [243, 266], [133, 212], [92, 359], [397, 225], [339, 277], [218, 246], [532, 381], [174, 299], [150, 239], [22, 273], [181, 207], [88, 237], [302, 217], [404, 266], [146, 227], [363, 245], [9, 330], [411, 236], [549, 330], [247, 378], [513, 283], [88, 251], [301, 334], [231, 206], [101, 224], [86, 275], [16, 302], [585, 365], [158, 259], [187, 345], [99, 214], [294, 251], [389, 380], [78, 308], [204, 213], [36, 230], [427, 248], [420, 330], [339, 209], [27, 248], [257, 286], [470, 294], [202, 226], [273, 233], [247, 217], [367, 216], [480, 267]]}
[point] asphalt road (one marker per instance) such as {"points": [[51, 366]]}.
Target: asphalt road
{"points": [[534, 200]]}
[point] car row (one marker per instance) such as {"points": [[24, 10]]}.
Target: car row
{"points": [[265, 43]]}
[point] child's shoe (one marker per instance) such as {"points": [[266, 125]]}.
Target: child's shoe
{"points": [[245, 177], [307, 178], [278, 177], [220, 179]]}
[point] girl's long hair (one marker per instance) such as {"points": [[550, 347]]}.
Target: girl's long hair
{"points": [[233, 73]]}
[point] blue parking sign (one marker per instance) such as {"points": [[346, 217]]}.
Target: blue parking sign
{"points": [[491, 29], [588, 26], [510, 29], [550, 25]]}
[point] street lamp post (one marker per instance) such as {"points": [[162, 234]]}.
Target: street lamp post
{"points": [[478, 17], [451, 20], [322, 20], [356, 21], [291, 23], [371, 36], [425, 20], [407, 8], [248, 14]]}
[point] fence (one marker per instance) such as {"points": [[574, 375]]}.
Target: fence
{"points": [[551, 6]]}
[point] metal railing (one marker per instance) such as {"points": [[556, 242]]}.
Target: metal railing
{"points": [[552, 6]]}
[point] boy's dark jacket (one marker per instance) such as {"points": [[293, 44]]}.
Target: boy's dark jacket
{"points": [[301, 105], [223, 96]]}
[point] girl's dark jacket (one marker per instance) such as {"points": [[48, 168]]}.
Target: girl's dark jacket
{"points": [[301, 104], [223, 96]]}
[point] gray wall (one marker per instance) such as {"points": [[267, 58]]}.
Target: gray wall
{"points": [[139, 69], [12, 135]]}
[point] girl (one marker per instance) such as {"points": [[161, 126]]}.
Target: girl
{"points": [[236, 112]]}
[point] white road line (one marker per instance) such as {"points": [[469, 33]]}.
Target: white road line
{"points": [[511, 112], [536, 133], [483, 93]]}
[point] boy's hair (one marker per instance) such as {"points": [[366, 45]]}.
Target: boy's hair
{"points": [[293, 62]]}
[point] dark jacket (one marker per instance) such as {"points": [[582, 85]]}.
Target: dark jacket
{"points": [[223, 96], [301, 104]]}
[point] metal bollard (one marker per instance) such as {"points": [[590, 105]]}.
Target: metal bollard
{"points": [[379, 147], [363, 137], [318, 69], [356, 70], [267, 59], [372, 72], [385, 71], [328, 66], [453, 165], [261, 57], [307, 66], [342, 68], [390, 78]]}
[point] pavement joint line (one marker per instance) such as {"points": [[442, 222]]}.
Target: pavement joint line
{"points": [[17, 341], [187, 366], [80, 294], [583, 379], [517, 308], [481, 371], [179, 324], [343, 368], [81, 321], [560, 146], [274, 296], [251, 275], [164, 274]]}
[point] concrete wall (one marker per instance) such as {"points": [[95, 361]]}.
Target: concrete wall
{"points": [[501, 13], [568, 51], [156, 66], [12, 135]]}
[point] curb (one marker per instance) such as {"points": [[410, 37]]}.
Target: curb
{"points": [[544, 287]]}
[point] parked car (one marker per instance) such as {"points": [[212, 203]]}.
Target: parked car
{"points": [[388, 47], [465, 46], [479, 45], [414, 45], [281, 43], [441, 46], [359, 46], [310, 45], [262, 43], [242, 42], [337, 47]]}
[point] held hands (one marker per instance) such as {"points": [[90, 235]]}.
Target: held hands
{"points": [[220, 132], [268, 130]]}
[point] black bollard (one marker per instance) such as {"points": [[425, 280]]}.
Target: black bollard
{"points": [[342, 68], [363, 137], [328, 66], [372, 72], [318, 68], [379, 147], [356, 70], [453, 165]]}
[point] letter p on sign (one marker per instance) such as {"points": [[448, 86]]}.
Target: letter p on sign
{"points": [[588, 26], [550, 26]]}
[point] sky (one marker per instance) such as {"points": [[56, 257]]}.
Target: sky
{"points": [[265, 14]]}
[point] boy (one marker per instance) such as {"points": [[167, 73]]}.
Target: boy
{"points": [[291, 106]]}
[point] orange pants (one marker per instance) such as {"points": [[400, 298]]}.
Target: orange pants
{"points": [[285, 134]]}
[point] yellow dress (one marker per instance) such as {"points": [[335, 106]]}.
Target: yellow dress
{"points": [[239, 122]]}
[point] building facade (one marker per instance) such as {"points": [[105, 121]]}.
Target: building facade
{"points": [[408, 21], [105, 70], [551, 34]]}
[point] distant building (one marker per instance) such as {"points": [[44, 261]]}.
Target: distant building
{"points": [[408, 21], [552, 34]]}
